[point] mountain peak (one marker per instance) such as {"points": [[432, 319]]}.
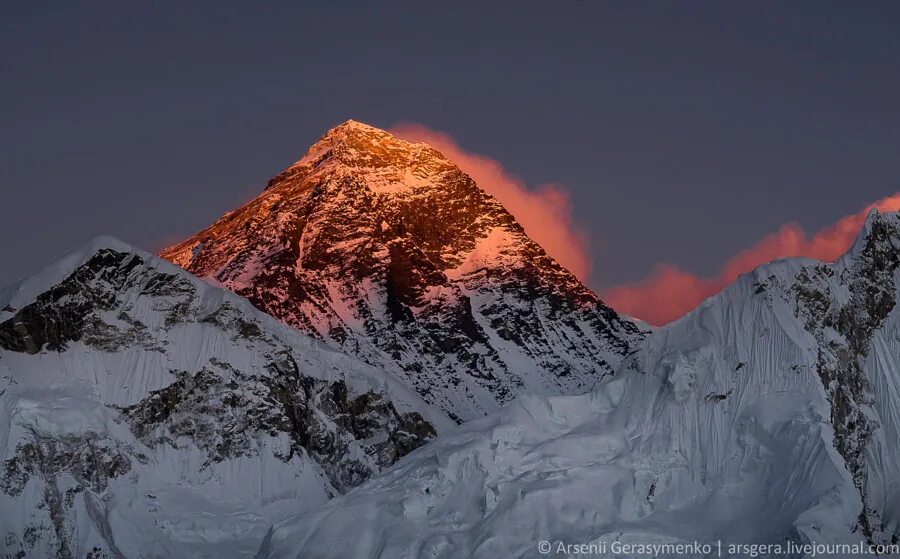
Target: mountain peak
{"points": [[356, 141], [351, 124], [879, 226], [353, 130], [377, 157], [389, 251]]}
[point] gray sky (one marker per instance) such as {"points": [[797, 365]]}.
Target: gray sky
{"points": [[683, 132]]}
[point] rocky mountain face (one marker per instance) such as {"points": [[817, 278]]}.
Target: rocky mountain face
{"points": [[388, 251], [145, 413], [769, 415]]}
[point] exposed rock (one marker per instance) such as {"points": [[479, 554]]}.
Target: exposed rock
{"points": [[389, 251], [131, 382], [872, 296]]}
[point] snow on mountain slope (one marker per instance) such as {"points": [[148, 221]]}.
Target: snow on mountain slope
{"points": [[145, 413], [769, 414], [387, 250]]}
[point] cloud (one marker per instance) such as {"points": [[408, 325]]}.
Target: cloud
{"points": [[668, 293], [544, 212]]}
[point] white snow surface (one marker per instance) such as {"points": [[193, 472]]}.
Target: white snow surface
{"points": [[63, 407], [717, 428]]}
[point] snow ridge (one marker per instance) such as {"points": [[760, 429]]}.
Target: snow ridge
{"points": [[769, 414], [144, 412]]}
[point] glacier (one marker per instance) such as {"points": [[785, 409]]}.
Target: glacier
{"points": [[768, 415]]}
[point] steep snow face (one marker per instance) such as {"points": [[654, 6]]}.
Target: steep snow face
{"points": [[145, 413], [387, 250], [769, 414]]}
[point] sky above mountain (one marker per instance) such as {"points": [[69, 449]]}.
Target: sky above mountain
{"points": [[655, 136]]}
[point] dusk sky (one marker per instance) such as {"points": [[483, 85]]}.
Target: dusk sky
{"points": [[680, 133]]}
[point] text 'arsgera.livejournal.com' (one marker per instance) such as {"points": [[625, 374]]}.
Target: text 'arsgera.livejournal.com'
{"points": [[713, 549]]}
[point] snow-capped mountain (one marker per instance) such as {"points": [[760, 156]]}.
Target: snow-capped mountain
{"points": [[769, 415], [388, 251], [145, 413]]}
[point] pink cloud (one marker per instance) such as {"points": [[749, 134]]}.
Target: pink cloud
{"points": [[544, 212], [668, 293]]}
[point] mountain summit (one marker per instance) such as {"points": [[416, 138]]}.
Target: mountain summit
{"points": [[387, 250]]}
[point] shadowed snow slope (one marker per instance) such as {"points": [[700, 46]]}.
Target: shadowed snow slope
{"points": [[145, 413], [770, 413]]}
